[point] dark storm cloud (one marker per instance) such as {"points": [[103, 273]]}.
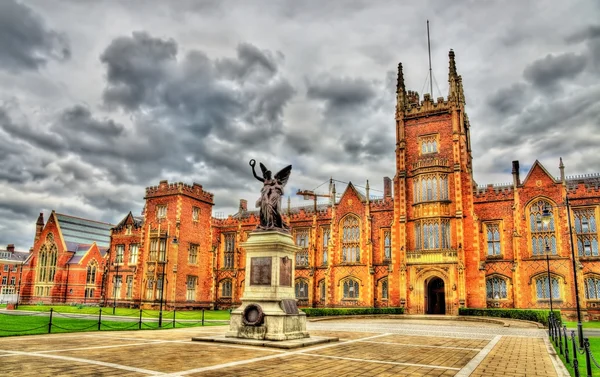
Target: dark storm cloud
{"points": [[507, 101], [25, 41], [546, 72], [341, 94], [136, 65], [250, 60], [589, 32]]}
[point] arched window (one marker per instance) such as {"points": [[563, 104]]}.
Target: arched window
{"points": [[91, 274], [384, 289], [301, 288], [387, 245], [322, 293], [351, 240], [496, 288], [351, 289], [541, 235], [326, 236], [226, 288], [542, 288], [592, 288], [42, 264]]}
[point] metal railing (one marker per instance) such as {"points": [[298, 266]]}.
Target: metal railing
{"points": [[558, 334]]}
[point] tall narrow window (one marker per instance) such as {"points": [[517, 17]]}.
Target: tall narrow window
{"points": [[432, 234], [150, 289], [351, 240], [322, 290], [351, 289], [542, 288], [195, 213], [384, 289], [429, 144], [134, 250], [153, 252], [117, 286], [541, 235], [587, 236], [162, 250], [302, 237], [301, 288], [229, 250], [493, 239], [326, 236], [226, 288], [193, 254], [592, 288], [387, 245], [119, 252], [129, 288], [91, 274], [496, 288], [161, 211], [430, 187], [192, 282]]}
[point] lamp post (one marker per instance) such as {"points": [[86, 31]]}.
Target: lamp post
{"points": [[546, 217], [116, 264], [551, 316], [163, 261]]}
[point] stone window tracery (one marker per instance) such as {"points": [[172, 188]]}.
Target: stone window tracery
{"points": [[428, 144], [301, 289], [229, 250], [496, 288], [387, 245], [592, 288], [302, 240], [430, 187], [493, 239], [226, 288], [585, 228], [541, 288], [91, 274], [541, 235], [351, 240], [326, 237], [432, 234], [384, 289], [191, 283], [351, 289]]}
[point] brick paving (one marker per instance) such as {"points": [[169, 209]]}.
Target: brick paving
{"points": [[367, 347]]}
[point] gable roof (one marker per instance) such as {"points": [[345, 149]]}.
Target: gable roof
{"points": [[539, 165], [77, 232]]}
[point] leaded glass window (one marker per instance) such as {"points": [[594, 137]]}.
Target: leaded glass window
{"points": [[351, 289], [541, 235], [585, 228], [384, 289], [496, 288], [226, 288], [387, 245], [542, 288], [493, 239], [302, 240], [351, 240], [592, 288], [432, 234], [91, 274], [322, 290], [326, 237], [430, 187], [301, 288], [119, 252], [229, 250]]}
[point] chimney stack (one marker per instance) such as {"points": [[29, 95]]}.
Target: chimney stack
{"points": [[39, 226], [387, 187], [515, 173], [10, 247]]}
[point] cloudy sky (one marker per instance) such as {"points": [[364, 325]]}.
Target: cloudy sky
{"points": [[100, 99]]}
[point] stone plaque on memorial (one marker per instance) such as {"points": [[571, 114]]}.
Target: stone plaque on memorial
{"points": [[260, 271], [285, 272]]}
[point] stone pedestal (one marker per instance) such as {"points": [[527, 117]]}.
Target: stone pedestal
{"points": [[268, 310]]}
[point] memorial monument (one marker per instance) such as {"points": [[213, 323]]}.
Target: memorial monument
{"points": [[269, 315]]}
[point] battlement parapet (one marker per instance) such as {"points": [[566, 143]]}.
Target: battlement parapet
{"points": [[427, 105], [165, 188], [497, 191]]}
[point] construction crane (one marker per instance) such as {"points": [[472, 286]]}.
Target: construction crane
{"points": [[311, 194]]}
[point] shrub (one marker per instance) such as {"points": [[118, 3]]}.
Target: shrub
{"points": [[535, 315], [321, 312]]}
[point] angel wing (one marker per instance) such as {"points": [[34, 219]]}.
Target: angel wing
{"points": [[263, 168], [283, 175]]}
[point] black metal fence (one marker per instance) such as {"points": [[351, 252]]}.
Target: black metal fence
{"points": [[71, 322], [571, 347]]}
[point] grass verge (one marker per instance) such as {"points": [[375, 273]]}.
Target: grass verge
{"points": [[594, 347], [217, 315]]}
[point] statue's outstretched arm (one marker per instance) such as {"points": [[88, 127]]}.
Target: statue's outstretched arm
{"points": [[253, 164]]}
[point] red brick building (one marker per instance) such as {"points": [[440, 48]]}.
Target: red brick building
{"points": [[433, 243]]}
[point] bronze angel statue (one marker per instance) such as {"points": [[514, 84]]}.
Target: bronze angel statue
{"points": [[270, 197]]}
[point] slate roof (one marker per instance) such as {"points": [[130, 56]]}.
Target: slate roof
{"points": [[13, 257]]}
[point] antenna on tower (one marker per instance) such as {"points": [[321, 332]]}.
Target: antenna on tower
{"points": [[430, 72]]}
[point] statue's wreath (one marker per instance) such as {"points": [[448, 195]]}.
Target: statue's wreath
{"points": [[253, 315]]}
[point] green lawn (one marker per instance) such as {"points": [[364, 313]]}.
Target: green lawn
{"points": [[586, 325], [221, 315], [11, 325], [594, 347]]}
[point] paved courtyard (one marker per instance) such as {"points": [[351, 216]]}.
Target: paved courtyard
{"points": [[367, 347]]}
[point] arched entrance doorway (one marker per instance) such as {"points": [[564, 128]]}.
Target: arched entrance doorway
{"points": [[436, 297]]}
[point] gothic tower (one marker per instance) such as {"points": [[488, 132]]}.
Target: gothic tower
{"points": [[433, 206]]}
